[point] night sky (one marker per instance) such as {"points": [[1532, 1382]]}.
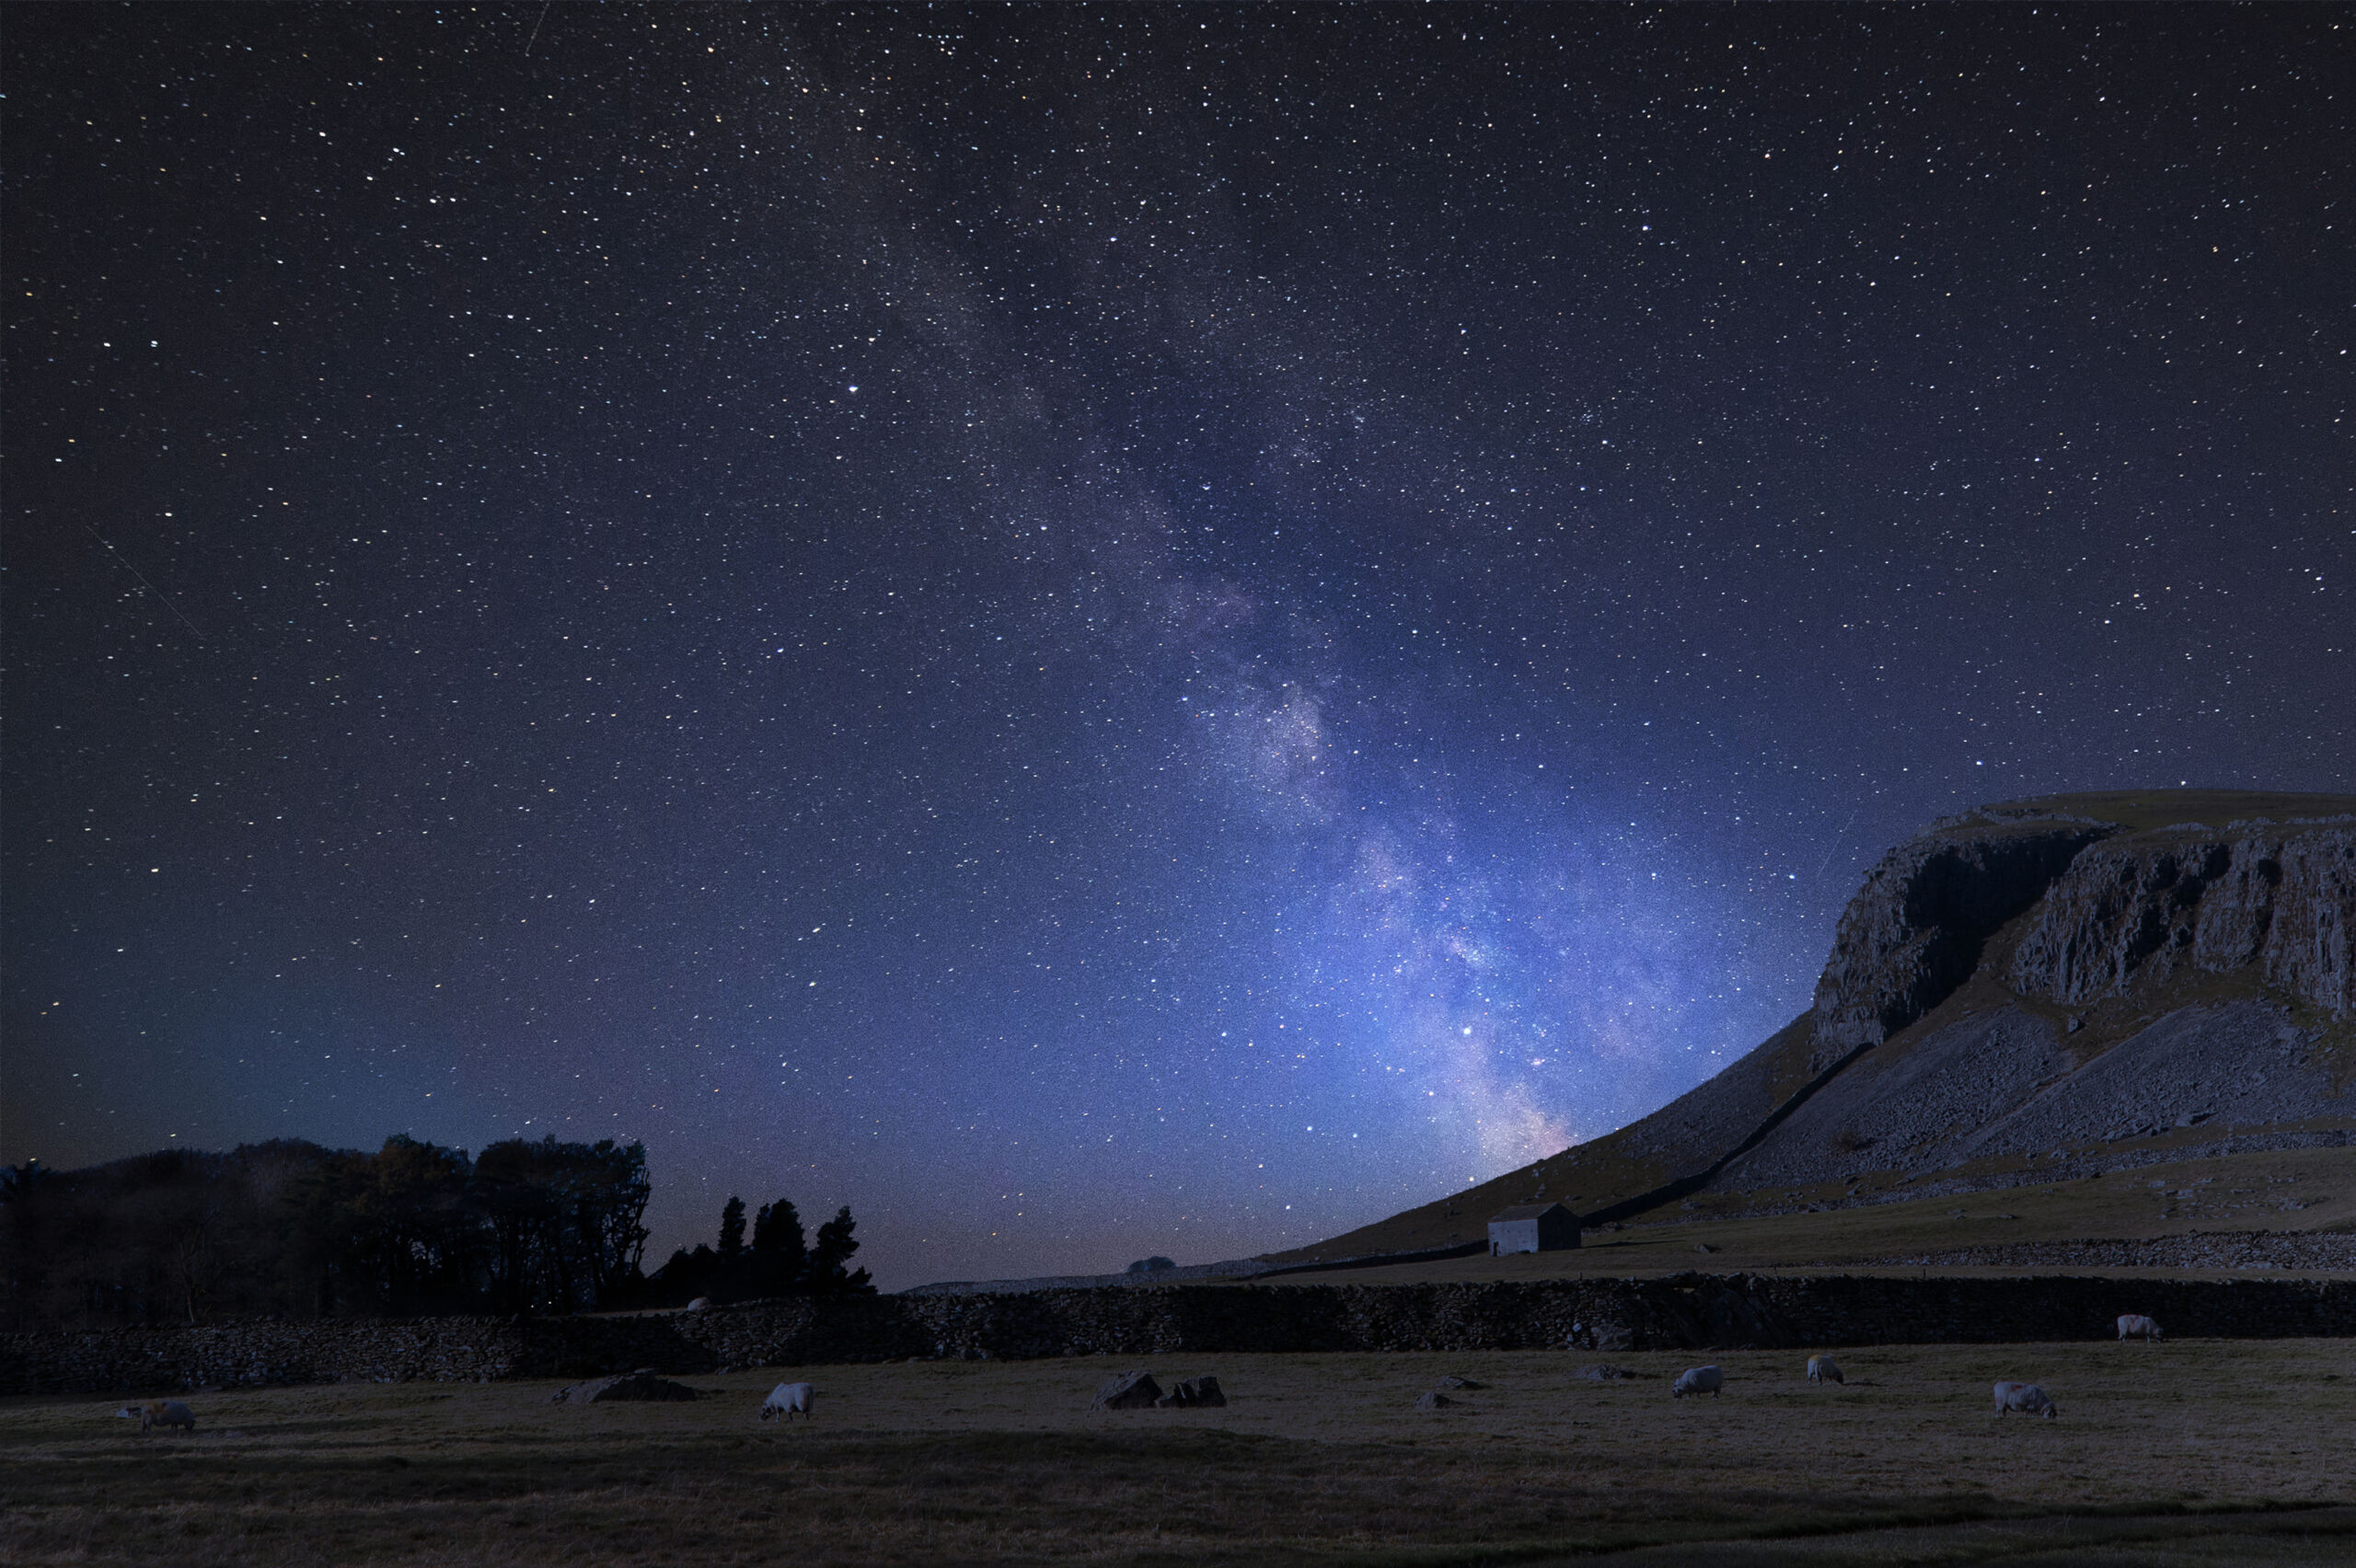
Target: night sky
{"points": [[1103, 632]]}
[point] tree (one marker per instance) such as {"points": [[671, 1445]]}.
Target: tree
{"points": [[835, 1244], [395, 1232], [512, 1192], [732, 1229], [288, 1229], [567, 1221], [781, 1255]]}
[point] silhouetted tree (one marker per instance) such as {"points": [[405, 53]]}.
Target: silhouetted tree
{"points": [[778, 1262], [683, 1276], [835, 1245], [732, 1229], [781, 1255], [393, 1232], [566, 1221], [290, 1228], [178, 1236]]}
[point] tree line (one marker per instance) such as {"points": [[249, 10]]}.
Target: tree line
{"points": [[289, 1228], [778, 1261]]}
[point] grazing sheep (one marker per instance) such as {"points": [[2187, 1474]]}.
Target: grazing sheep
{"points": [[160, 1412], [2134, 1325], [2026, 1398], [1820, 1369], [787, 1398], [1698, 1380]]}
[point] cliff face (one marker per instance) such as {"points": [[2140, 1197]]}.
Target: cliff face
{"points": [[1967, 967], [1915, 930], [2136, 911], [2072, 972]]}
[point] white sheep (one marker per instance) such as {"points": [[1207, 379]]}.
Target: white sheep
{"points": [[1698, 1380], [2026, 1398], [1820, 1369], [787, 1398], [2134, 1325], [159, 1412]]}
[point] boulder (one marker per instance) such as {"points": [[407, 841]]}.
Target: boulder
{"points": [[1455, 1382], [641, 1384], [1433, 1400], [1130, 1390], [1603, 1372], [1192, 1393]]}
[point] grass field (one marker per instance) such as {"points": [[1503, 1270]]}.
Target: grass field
{"points": [[2189, 1452]]}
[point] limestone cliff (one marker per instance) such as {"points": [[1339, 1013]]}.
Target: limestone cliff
{"points": [[2026, 979], [2134, 911], [1915, 930]]}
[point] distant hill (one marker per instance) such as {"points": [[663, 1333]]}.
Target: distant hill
{"points": [[2022, 993]]}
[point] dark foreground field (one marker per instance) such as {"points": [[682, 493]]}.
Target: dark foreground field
{"points": [[2198, 1452]]}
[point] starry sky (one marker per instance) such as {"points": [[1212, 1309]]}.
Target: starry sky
{"points": [[1105, 631]]}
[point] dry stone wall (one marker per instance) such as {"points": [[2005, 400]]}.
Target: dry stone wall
{"points": [[1689, 1312]]}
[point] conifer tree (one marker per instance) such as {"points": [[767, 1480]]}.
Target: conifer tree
{"points": [[835, 1245], [781, 1252]]}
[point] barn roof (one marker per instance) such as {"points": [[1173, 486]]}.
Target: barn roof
{"points": [[1528, 1211]]}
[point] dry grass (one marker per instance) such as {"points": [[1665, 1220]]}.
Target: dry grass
{"points": [[2192, 1452]]}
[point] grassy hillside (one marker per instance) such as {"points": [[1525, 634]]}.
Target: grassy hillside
{"points": [[1609, 1170]]}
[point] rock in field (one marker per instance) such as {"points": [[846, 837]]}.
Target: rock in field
{"points": [[1130, 1390], [1192, 1393], [641, 1384], [1455, 1382], [1433, 1400]]}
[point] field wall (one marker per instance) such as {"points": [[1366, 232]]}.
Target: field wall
{"points": [[1688, 1312]]}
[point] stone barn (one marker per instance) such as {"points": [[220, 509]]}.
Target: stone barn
{"points": [[1532, 1227]]}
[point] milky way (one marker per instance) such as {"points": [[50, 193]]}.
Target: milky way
{"points": [[1105, 632]]}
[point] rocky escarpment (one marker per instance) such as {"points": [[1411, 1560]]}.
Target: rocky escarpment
{"points": [[2004, 1084], [2139, 910], [1932, 1076], [1915, 931], [2071, 971], [1913, 935]]}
